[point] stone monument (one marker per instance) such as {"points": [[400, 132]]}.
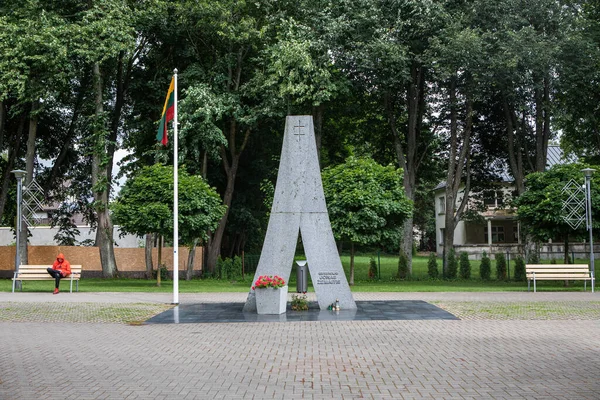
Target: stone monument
{"points": [[299, 207]]}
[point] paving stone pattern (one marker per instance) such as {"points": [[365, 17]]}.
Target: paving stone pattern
{"points": [[435, 359]]}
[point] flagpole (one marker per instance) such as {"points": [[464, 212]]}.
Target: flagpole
{"points": [[175, 198]]}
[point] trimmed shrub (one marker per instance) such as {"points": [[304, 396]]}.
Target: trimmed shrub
{"points": [[372, 269], [164, 273], [402, 266], [432, 266], [452, 264], [500, 267], [465, 266], [519, 274], [229, 268], [534, 258], [485, 268]]}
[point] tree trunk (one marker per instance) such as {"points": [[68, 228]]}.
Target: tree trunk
{"points": [[70, 134], [148, 254], [104, 230], [542, 124], [12, 156], [190, 263], [2, 123], [515, 154], [458, 164], [351, 280], [406, 153], [214, 248], [160, 264]]}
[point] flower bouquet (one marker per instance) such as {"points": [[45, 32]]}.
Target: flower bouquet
{"points": [[265, 281]]}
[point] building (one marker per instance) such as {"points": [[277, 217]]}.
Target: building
{"points": [[494, 228]]}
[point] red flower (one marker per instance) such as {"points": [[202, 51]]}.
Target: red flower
{"points": [[265, 281]]}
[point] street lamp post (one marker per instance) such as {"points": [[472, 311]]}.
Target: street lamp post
{"points": [[587, 172], [19, 174]]}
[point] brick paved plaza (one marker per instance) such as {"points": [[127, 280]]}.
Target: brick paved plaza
{"points": [[472, 358]]}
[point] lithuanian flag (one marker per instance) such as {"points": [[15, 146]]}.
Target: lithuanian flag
{"points": [[167, 114]]}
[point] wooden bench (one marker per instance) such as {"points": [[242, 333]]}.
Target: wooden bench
{"points": [[40, 273], [558, 272]]}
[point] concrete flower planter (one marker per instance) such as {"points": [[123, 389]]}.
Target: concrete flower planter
{"points": [[271, 300]]}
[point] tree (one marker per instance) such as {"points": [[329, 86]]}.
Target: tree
{"points": [[457, 57], [382, 47], [222, 71], [366, 203], [145, 205], [525, 46], [540, 211]]}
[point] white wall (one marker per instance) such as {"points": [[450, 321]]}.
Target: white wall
{"points": [[44, 236]]}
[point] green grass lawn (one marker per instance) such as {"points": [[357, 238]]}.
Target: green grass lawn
{"points": [[419, 281]]}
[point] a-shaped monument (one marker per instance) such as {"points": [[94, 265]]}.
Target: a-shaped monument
{"points": [[299, 207]]}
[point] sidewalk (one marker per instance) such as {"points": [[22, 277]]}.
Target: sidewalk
{"points": [[220, 297], [476, 359]]}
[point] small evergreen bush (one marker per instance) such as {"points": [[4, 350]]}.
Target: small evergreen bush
{"points": [[229, 268], [533, 258], [452, 264], [520, 275], [432, 266], [485, 268], [402, 266], [465, 266], [164, 273], [500, 267], [372, 269]]}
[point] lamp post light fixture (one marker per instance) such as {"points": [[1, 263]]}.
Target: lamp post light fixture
{"points": [[19, 174], [587, 172]]}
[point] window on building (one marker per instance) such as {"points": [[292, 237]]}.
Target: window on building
{"points": [[515, 234], [493, 198], [442, 230], [497, 234], [442, 203]]}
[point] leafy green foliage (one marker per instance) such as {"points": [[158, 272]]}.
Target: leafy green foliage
{"points": [[402, 266], [485, 267], [519, 274], [452, 264], [299, 302], [229, 268], [540, 208], [465, 266], [366, 202], [372, 268], [501, 271], [432, 266], [534, 258], [67, 230], [145, 204]]}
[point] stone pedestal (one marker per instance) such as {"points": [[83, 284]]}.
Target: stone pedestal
{"points": [[271, 300]]}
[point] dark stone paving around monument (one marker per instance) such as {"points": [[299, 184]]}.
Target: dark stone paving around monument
{"points": [[389, 310]]}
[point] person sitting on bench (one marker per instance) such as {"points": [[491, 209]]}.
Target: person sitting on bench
{"points": [[60, 269]]}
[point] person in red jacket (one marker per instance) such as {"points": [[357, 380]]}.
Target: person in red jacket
{"points": [[60, 269]]}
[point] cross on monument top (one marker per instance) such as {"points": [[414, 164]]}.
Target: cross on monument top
{"points": [[299, 130]]}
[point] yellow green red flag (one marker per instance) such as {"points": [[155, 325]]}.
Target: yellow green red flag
{"points": [[167, 114]]}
